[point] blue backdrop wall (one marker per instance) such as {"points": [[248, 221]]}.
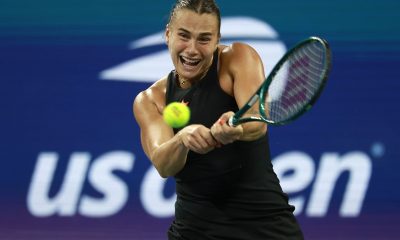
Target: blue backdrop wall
{"points": [[72, 163]]}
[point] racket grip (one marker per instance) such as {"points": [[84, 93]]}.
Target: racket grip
{"points": [[231, 122]]}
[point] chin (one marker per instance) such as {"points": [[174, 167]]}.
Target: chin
{"points": [[188, 75]]}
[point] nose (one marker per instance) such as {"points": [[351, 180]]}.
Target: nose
{"points": [[192, 47]]}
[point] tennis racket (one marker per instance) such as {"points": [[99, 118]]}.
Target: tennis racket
{"points": [[293, 86]]}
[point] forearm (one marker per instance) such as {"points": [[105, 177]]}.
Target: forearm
{"points": [[170, 157]]}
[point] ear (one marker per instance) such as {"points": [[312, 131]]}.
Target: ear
{"points": [[167, 32], [219, 38]]}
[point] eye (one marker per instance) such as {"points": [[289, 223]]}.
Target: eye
{"points": [[204, 40], [184, 36]]}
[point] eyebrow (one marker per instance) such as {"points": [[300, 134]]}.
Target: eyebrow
{"points": [[201, 34]]}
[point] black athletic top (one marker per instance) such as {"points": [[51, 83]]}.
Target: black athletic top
{"points": [[231, 192]]}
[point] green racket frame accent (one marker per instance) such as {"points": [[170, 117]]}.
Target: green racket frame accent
{"points": [[260, 93]]}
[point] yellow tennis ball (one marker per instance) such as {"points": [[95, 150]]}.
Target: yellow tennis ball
{"points": [[176, 114]]}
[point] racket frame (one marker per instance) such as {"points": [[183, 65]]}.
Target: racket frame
{"points": [[260, 94]]}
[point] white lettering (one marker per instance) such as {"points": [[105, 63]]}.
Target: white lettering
{"points": [[152, 198], [331, 167], [64, 203], [295, 170], [301, 172], [102, 179]]}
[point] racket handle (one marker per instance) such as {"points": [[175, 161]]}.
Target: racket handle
{"points": [[230, 122]]}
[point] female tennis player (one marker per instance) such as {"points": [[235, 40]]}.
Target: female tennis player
{"points": [[225, 184]]}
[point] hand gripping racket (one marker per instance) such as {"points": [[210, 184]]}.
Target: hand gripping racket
{"points": [[292, 87]]}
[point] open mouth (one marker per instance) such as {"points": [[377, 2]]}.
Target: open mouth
{"points": [[189, 61]]}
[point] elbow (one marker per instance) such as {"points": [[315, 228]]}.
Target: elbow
{"points": [[162, 174], [169, 163], [262, 130], [159, 165], [163, 170], [254, 131]]}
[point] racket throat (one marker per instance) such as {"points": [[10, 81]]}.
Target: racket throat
{"points": [[233, 121], [253, 100]]}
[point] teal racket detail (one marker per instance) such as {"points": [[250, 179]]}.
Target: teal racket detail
{"points": [[292, 87]]}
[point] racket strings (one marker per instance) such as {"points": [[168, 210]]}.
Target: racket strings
{"points": [[297, 82]]}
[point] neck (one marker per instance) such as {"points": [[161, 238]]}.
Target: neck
{"points": [[183, 83]]}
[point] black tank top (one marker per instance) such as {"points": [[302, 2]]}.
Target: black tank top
{"points": [[229, 183]]}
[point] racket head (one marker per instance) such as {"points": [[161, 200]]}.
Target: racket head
{"points": [[296, 82]]}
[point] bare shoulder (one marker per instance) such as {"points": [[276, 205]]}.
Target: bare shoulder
{"points": [[239, 65], [152, 99], [238, 51], [239, 55]]}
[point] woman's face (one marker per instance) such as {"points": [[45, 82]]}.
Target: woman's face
{"points": [[192, 39]]}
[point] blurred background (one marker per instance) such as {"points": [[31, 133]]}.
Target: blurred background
{"points": [[72, 166]]}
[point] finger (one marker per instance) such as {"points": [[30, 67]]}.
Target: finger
{"points": [[223, 120], [191, 143], [208, 139], [202, 142], [216, 131], [216, 142], [220, 131]]}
